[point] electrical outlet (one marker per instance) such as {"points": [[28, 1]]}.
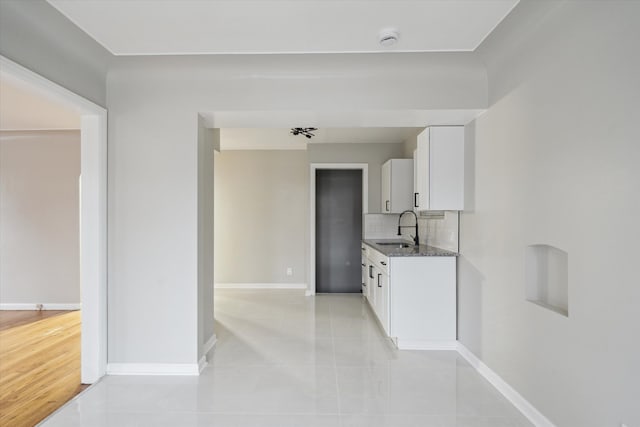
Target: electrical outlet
{"points": [[289, 271]]}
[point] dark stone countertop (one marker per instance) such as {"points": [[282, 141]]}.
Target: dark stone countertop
{"points": [[395, 251]]}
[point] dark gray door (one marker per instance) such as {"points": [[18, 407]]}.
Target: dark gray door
{"points": [[338, 230]]}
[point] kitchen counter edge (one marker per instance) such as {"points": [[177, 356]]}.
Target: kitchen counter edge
{"points": [[421, 250]]}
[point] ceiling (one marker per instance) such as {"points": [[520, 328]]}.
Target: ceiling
{"points": [[282, 139], [22, 108], [152, 27]]}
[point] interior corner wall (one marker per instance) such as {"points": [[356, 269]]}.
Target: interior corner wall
{"points": [[372, 154], [262, 216], [410, 146], [555, 161], [39, 218], [207, 142]]}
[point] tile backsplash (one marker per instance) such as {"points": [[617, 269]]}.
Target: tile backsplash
{"points": [[441, 232], [380, 226], [438, 230]]}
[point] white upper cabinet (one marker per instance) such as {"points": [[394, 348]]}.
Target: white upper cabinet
{"points": [[397, 179], [439, 169]]}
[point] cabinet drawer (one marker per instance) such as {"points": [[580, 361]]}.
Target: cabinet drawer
{"points": [[381, 261]]}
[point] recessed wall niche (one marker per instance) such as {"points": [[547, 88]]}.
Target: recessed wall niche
{"points": [[547, 277]]}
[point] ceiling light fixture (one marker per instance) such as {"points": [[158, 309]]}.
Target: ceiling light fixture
{"points": [[304, 131], [388, 37]]}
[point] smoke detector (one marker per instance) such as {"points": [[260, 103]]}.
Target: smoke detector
{"points": [[388, 37]]}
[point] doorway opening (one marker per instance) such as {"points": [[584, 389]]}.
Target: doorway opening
{"points": [[338, 230], [329, 192], [93, 208]]}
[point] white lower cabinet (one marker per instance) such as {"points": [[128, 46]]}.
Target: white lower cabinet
{"points": [[382, 299], [414, 299], [365, 273]]}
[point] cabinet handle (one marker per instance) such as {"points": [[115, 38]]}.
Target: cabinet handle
{"points": [[371, 272], [379, 285], [383, 263], [386, 205], [362, 248], [415, 200], [363, 265]]}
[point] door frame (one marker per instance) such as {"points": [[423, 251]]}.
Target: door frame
{"points": [[364, 167], [93, 214]]}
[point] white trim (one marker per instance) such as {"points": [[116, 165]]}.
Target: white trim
{"points": [[153, 369], [312, 209], [93, 245], [260, 286], [426, 345], [523, 405], [202, 363], [208, 346], [258, 146], [282, 52], [45, 306], [20, 75], [93, 213], [41, 130]]}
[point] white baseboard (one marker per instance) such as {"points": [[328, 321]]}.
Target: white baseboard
{"points": [[426, 345], [309, 293], [523, 405], [36, 306], [153, 369], [208, 346], [202, 363], [260, 286]]}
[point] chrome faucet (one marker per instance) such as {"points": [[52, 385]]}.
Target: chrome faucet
{"points": [[416, 240]]}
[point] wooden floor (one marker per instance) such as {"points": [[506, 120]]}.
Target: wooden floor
{"points": [[39, 364]]}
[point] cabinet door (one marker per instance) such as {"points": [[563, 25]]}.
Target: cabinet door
{"points": [[440, 169], [365, 278], [371, 284], [377, 289], [386, 187], [396, 194], [446, 168], [382, 301], [415, 181], [422, 171]]}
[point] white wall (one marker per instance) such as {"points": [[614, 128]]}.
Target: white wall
{"points": [[39, 217], [208, 141], [153, 107], [262, 207], [556, 162], [262, 216], [152, 228]]}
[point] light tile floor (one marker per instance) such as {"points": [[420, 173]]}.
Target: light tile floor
{"points": [[285, 360]]}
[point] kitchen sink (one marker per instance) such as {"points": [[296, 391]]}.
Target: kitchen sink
{"points": [[396, 244]]}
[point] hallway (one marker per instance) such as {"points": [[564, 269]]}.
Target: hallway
{"points": [[286, 360]]}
